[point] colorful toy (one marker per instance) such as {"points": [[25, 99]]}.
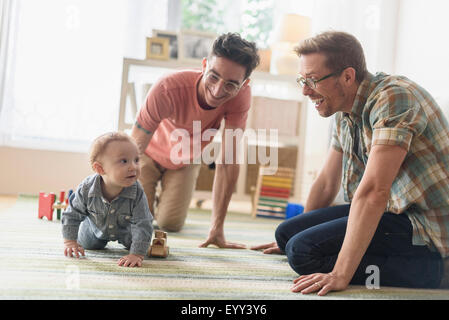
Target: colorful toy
{"points": [[48, 203], [159, 247], [272, 192], [293, 209]]}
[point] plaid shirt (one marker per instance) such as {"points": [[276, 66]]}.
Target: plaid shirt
{"points": [[392, 110]]}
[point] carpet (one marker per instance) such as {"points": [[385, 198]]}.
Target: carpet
{"points": [[33, 266]]}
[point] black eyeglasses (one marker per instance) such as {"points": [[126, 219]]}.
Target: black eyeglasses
{"points": [[311, 83]]}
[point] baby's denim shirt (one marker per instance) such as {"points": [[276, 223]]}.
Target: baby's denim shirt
{"points": [[127, 218]]}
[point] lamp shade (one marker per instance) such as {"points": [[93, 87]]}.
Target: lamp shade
{"points": [[292, 28]]}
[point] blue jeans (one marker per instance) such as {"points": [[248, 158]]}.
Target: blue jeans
{"points": [[313, 240], [88, 240]]}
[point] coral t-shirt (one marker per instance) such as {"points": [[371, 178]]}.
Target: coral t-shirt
{"points": [[172, 113]]}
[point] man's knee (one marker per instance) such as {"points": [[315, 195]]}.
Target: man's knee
{"points": [[301, 258], [170, 225], [282, 235]]}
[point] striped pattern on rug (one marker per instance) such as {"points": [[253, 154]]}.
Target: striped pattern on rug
{"points": [[33, 265]]}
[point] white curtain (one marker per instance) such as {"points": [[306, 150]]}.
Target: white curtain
{"points": [[64, 64], [373, 22], [8, 14]]}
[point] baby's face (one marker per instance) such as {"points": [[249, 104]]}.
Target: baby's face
{"points": [[121, 163]]}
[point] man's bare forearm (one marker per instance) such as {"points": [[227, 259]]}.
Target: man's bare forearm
{"points": [[224, 183], [141, 135], [363, 220], [321, 195], [325, 188], [368, 206]]}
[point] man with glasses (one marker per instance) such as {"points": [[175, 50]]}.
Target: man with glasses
{"points": [[390, 155], [175, 105]]}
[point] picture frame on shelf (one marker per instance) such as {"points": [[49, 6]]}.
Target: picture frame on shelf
{"points": [[157, 48], [195, 45], [172, 36]]}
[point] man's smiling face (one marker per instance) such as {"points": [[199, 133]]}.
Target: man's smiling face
{"points": [[219, 75], [329, 95]]}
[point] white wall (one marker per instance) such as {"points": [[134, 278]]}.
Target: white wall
{"points": [[28, 171], [422, 52]]}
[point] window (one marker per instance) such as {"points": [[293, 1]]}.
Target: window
{"points": [[253, 19], [66, 67]]}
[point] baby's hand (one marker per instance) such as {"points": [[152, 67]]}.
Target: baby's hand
{"points": [[72, 247], [131, 260]]}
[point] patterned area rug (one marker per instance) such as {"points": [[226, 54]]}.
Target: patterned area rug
{"points": [[33, 265]]}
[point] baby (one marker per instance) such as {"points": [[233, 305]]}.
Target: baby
{"points": [[111, 204]]}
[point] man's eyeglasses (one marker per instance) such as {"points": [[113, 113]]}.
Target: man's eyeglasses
{"points": [[229, 87], [311, 83]]}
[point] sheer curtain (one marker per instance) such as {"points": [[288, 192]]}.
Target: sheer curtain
{"points": [[373, 22], [7, 31], [62, 83]]}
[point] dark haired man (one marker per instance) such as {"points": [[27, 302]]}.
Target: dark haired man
{"points": [[390, 154], [178, 103]]}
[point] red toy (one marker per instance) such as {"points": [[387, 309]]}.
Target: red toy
{"points": [[48, 203]]}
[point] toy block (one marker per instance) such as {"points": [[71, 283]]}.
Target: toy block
{"points": [[160, 234], [61, 204], [159, 247], [61, 196], [46, 205]]}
